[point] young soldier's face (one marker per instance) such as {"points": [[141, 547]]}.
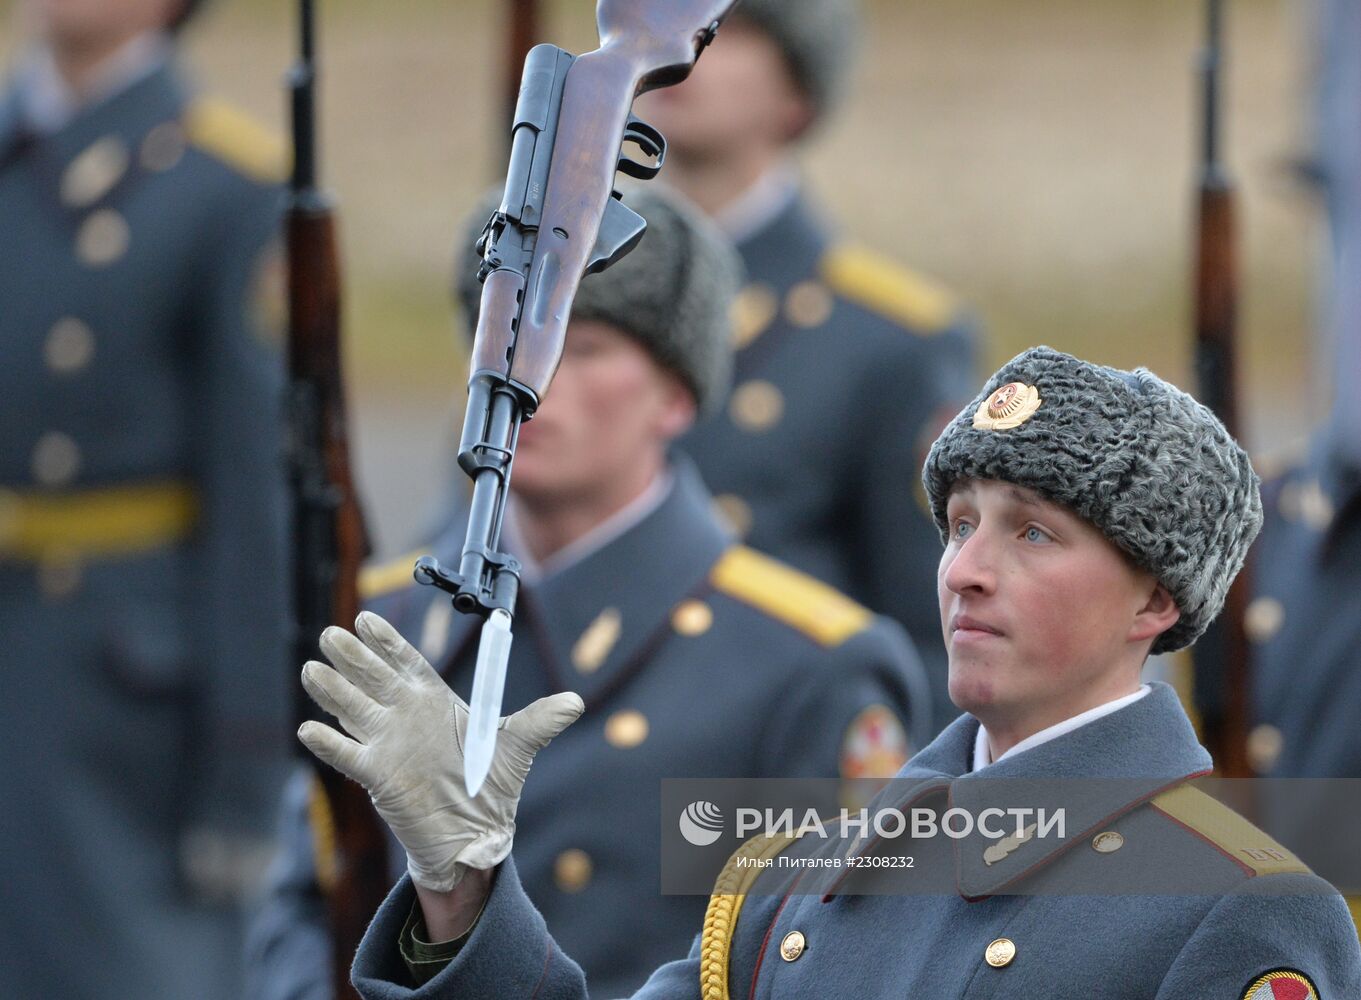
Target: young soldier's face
{"points": [[604, 425], [76, 23], [740, 92], [1043, 616]]}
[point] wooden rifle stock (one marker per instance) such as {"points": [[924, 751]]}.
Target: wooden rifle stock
{"points": [[1222, 678], [329, 539]]}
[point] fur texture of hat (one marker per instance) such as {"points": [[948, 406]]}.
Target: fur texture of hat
{"points": [[673, 293], [1155, 471], [818, 38]]}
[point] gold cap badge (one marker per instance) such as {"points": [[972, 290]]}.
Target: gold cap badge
{"points": [[1008, 407]]}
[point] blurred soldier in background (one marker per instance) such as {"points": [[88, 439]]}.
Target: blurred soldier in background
{"points": [[847, 365], [141, 517], [695, 657], [1305, 618]]}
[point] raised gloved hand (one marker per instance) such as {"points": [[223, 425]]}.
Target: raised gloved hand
{"points": [[407, 749]]}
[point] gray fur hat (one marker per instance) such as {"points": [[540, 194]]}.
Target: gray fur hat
{"points": [[1153, 469], [673, 293], [818, 38]]}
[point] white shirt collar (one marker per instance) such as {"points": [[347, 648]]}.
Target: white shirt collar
{"points": [[48, 103], [626, 517], [759, 205], [982, 755]]}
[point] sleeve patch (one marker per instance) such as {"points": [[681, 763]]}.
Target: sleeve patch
{"points": [[877, 283], [236, 139], [875, 744], [1281, 984], [1238, 839], [820, 612]]}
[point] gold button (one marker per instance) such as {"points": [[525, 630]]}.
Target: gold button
{"points": [[1108, 842], [1000, 953], [594, 645], [1265, 743], [752, 311], [626, 729], [756, 405], [808, 304], [572, 870], [163, 146], [792, 946], [69, 346], [1263, 618], [103, 238], [56, 459], [692, 618], [1306, 503], [1316, 508], [59, 574], [735, 513], [94, 172]]}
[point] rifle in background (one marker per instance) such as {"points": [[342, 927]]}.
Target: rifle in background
{"points": [[329, 539], [1222, 685]]}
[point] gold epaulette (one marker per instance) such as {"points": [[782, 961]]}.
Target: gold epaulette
{"points": [[720, 919], [322, 823], [385, 578], [1226, 830], [825, 615], [237, 139], [874, 281]]}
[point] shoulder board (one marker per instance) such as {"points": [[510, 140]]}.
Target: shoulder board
{"points": [[874, 281], [720, 918], [824, 614], [385, 578], [235, 138], [1227, 831]]}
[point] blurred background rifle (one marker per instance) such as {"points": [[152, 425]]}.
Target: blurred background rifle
{"points": [[329, 539], [559, 219], [1222, 683]]}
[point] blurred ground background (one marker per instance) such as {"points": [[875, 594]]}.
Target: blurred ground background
{"points": [[1037, 155]]}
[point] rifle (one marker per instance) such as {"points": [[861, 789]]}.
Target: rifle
{"points": [[329, 541], [1223, 696], [559, 219]]}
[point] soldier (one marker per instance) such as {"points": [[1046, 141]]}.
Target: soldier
{"points": [[1090, 516], [1304, 621], [694, 657], [846, 364], [1307, 602], [141, 512]]}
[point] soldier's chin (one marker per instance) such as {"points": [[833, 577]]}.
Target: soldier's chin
{"points": [[971, 685]]}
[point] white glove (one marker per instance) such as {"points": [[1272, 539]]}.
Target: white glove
{"points": [[407, 749]]}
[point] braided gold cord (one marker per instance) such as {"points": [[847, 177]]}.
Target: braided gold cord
{"points": [[720, 919]]}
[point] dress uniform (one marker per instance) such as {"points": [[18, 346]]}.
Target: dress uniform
{"points": [[1036, 923], [696, 657], [1147, 889], [1304, 620], [847, 364], [141, 524], [846, 368]]}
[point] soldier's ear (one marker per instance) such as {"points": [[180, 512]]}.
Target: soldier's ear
{"points": [[1158, 614], [679, 408]]}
